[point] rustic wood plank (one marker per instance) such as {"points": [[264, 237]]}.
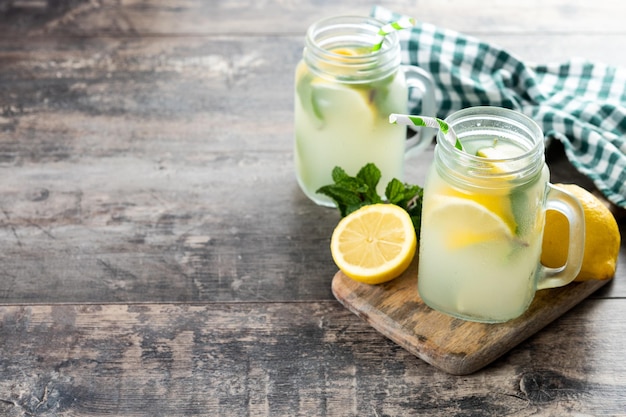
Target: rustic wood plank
{"points": [[199, 90], [97, 137], [94, 150], [537, 31], [288, 359], [144, 17], [78, 233]]}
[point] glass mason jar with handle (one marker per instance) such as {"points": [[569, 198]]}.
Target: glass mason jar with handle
{"points": [[344, 93], [483, 217]]}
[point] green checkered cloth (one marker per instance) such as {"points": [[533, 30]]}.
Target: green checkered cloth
{"points": [[582, 104]]}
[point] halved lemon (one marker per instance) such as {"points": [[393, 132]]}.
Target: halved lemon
{"points": [[374, 244]]}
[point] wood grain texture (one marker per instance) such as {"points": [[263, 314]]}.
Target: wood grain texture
{"points": [[158, 259], [134, 174], [132, 171], [141, 17], [456, 346], [292, 359]]}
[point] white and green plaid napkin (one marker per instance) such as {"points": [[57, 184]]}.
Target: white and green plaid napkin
{"points": [[580, 103]]}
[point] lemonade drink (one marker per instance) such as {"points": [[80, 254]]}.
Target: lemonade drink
{"points": [[346, 86], [345, 123], [482, 242]]}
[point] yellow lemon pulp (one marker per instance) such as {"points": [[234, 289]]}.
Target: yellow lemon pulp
{"points": [[497, 204], [374, 244], [465, 222], [498, 201], [602, 237], [347, 51], [477, 217], [327, 95]]}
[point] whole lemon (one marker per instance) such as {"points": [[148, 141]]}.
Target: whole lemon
{"points": [[602, 237]]}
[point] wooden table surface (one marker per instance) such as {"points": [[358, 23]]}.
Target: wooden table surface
{"points": [[157, 257]]}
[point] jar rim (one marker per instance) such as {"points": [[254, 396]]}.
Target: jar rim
{"points": [[508, 124], [328, 34]]}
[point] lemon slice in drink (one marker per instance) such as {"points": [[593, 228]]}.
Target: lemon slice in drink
{"points": [[352, 51], [499, 150], [501, 158], [327, 97], [461, 222], [498, 204], [374, 244]]}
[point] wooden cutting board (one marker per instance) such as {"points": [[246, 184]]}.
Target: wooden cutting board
{"points": [[453, 345]]}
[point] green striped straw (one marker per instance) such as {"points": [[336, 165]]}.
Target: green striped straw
{"points": [[403, 23], [408, 120]]}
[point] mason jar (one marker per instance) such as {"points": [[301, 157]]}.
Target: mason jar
{"points": [[344, 93], [483, 217]]}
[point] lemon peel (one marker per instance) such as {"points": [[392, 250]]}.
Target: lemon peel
{"points": [[602, 237]]}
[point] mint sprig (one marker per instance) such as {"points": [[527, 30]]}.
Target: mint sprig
{"points": [[409, 197], [351, 193]]}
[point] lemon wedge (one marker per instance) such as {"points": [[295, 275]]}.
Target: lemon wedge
{"points": [[374, 244]]}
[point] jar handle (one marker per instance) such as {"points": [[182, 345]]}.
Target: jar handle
{"points": [[421, 81], [565, 203]]}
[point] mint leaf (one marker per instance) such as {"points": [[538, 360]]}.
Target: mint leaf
{"points": [[409, 197], [395, 191], [413, 205], [339, 174], [370, 175], [346, 198], [351, 193]]}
